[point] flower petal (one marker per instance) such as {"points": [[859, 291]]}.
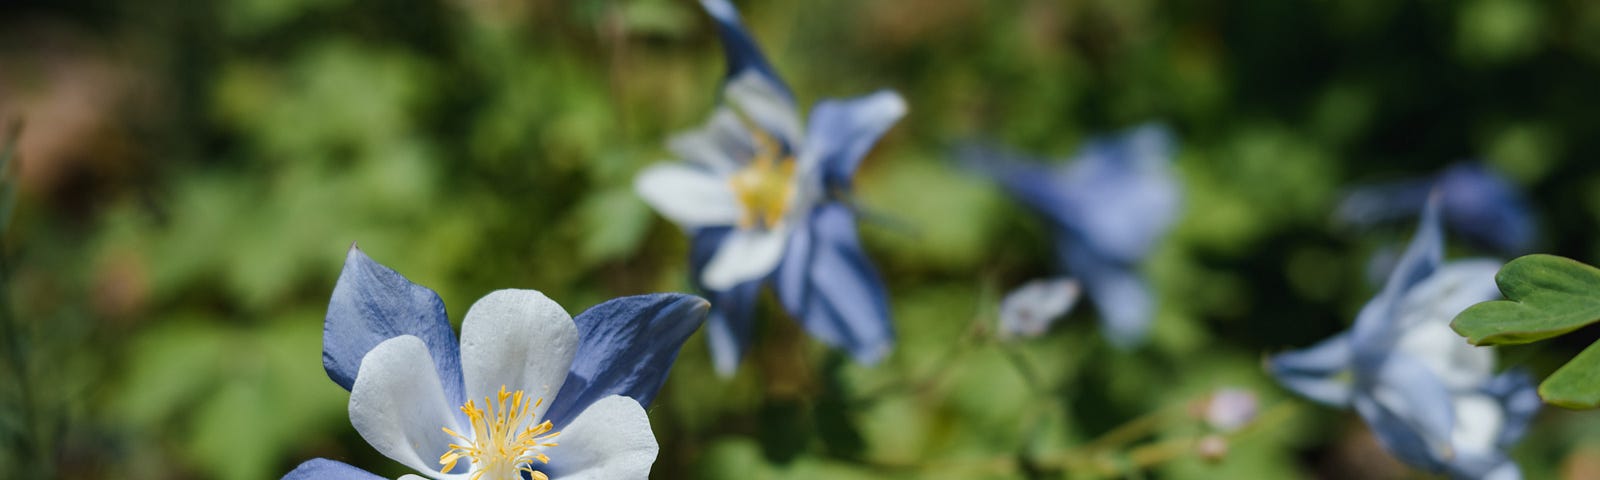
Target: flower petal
{"points": [[1479, 204], [1321, 372], [1410, 401], [609, 440], [722, 145], [519, 340], [1119, 195], [741, 51], [732, 311], [745, 255], [1377, 326], [1519, 398], [371, 304], [626, 346], [766, 103], [690, 196], [1126, 306], [830, 286], [398, 406], [1030, 309], [325, 469], [842, 131]]}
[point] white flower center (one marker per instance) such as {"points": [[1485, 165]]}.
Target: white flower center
{"points": [[765, 186], [505, 440]]}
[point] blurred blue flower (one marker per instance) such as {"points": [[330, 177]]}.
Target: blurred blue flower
{"points": [[1431, 398], [1480, 205], [764, 199], [1109, 207], [523, 373]]}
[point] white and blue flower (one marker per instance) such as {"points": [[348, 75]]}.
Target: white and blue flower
{"points": [[529, 390], [1108, 208], [1431, 398], [1478, 204], [764, 198]]}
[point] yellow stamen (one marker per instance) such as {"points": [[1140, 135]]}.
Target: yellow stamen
{"points": [[505, 442], [764, 187]]}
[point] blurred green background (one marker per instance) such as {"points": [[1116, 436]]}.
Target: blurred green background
{"points": [[192, 173]]}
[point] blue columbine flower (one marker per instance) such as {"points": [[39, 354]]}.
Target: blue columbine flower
{"points": [[524, 376], [1479, 204], [1108, 206], [764, 200], [1431, 398]]}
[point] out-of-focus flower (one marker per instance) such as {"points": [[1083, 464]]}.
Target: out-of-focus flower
{"points": [[1478, 204], [764, 199], [1109, 207], [1432, 399], [1030, 309], [529, 390], [1230, 409]]}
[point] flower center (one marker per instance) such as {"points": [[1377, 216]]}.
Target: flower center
{"points": [[505, 440], [765, 186]]}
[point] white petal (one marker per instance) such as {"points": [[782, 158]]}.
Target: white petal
{"points": [[690, 196], [610, 440], [1030, 309], [743, 256], [1478, 423], [722, 145], [518, 339], [398, 405], [766, 105]]}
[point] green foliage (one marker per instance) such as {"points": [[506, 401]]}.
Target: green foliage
{"points": [[1546, 296]]}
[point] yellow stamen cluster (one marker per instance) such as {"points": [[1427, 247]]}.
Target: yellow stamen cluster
{"points": [[765, 185], [505, 442]]}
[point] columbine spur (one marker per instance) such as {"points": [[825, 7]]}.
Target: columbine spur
{"points": [[1108, 208], [528, 391], [1478, 203], [1431, 398], [764, 199]]}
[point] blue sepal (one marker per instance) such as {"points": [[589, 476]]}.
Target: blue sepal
{"points": [[626, 347], [372, 303]]}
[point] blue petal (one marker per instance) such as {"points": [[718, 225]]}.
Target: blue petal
{"points": [[732, 311], [842, 131], [1121, 194], [625, 347], [731, 325], [1486, 209], [828, 284], [1321, 372], [1375, 328], [1480, 205], [1028, 180], [1519, 397], [372, 303], [1118, 195], [741, 51], [1125, 303], [1399, 439], [1410, 409], [324, 469]]}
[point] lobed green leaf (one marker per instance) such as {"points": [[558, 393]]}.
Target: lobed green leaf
{"points": [[1546, 296]]}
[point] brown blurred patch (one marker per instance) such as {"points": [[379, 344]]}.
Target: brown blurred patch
{"points": [[1583, 463], [897, 24], [121, 285], [1358, 455], [69, 89]]}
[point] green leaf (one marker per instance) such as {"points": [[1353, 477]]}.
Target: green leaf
{"points": [[1546, 296], [1576, 384]]}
